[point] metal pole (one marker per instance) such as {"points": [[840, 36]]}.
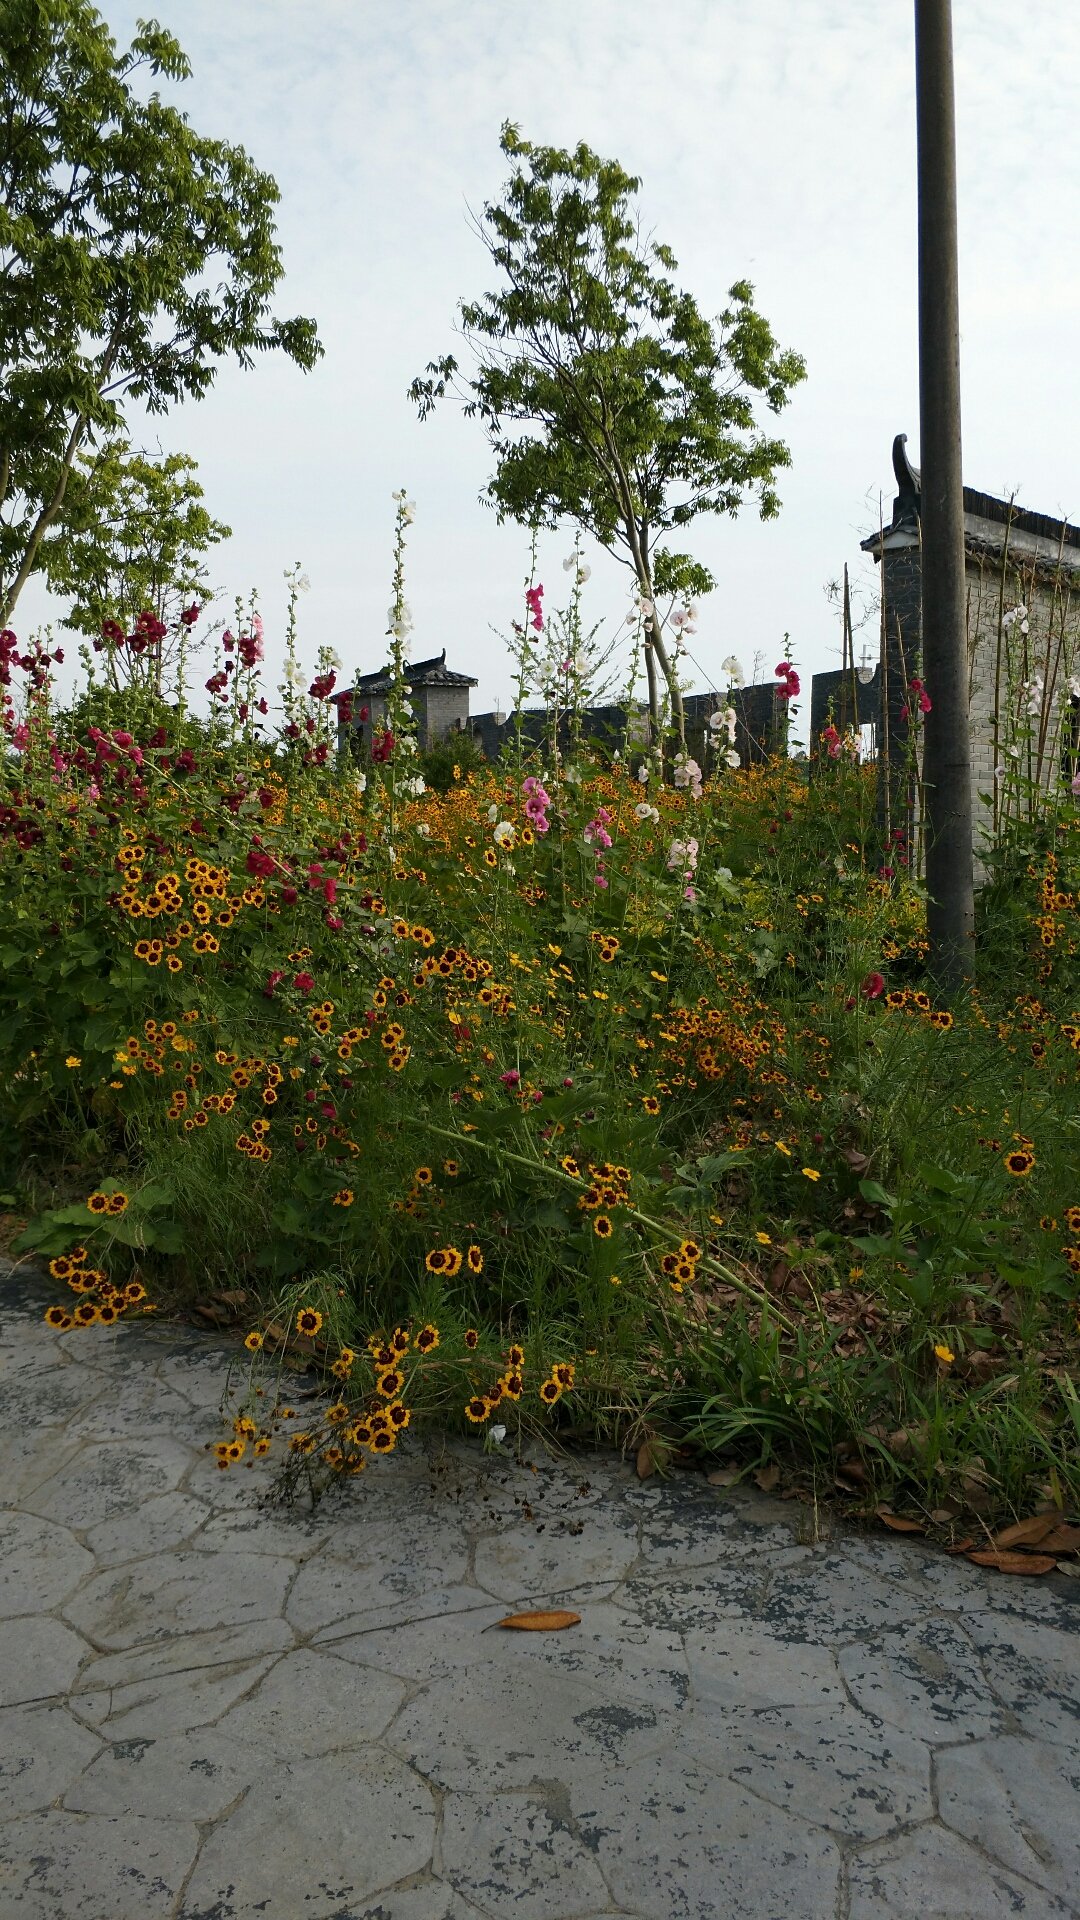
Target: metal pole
{"points": [[947, 751]]}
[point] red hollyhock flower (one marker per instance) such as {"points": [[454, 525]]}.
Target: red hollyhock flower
{"points": [[872, 986], [304, 982]]}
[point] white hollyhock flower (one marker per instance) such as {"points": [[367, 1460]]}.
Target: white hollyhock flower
{"points": [[504, 834], [735, 674]]}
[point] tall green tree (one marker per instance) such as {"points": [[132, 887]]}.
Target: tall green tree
{"points": [[134, 255], [607, 396], [133, 537]]}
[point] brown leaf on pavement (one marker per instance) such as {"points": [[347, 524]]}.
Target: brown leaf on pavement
{"points": [[897, 1523], [540, 1622], [1014, 1562]]}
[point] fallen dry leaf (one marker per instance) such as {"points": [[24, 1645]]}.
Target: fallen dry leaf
{"points": [[897, 1523], [1029, 1532], [722, 1477], [1062, 1540], [646, 1460], [541, 1622], [1014, 1562], [768, 1478], [962, 1546]]}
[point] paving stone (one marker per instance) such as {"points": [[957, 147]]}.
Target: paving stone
{"points": [[186, 1776], [387, 1567], [931, 1875], [39, 1658], [500, 1727], [926, 1679], [743, 1663], [187, 1653], [106, 1480], [178, 1702], [612, 1651], [732, 1589], [32, 1456], [429, 1611], [174, 1593], [835, 1768], [520, 1854], [155, 1526], [42, 1751], [70, 1866], [254, 1529], [433, 1900], [316, 1838], [523, 1561], [689, 1847], [829, 1601], [42, 1391], [42, 1563], [1017, 1799], [1034, 1669], [311, 1704], [139, 1406]]}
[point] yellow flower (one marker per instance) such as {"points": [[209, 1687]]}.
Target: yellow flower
{"points": [[763, 1239], [945, 1356], [73, 1060], [782, 1147], [811, 1173]]}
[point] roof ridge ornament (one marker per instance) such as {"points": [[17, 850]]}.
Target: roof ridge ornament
{"points": [[908, 478]]}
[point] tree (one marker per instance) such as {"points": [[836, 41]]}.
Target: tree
{"points": [[608, 398], [134, 255], [133, 537]]}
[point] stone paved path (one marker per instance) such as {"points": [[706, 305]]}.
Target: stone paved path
{"points": [[213, 1712]]}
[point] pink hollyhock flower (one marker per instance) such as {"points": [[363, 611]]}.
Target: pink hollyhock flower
{"points": [[304, 982], [511, 1079], [872, 986]]}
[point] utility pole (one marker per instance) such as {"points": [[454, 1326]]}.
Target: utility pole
{"points": [[947, 751]]}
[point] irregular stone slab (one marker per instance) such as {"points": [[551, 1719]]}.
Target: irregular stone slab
{"points": [[382, 1567], [835, 1769], [175, 1593], [931, 1875], [610, 1650], [926, 1679], [311, 1704], [254, 1529], [178, 1702], [91, 1868], [496, 1727], [42, 1752], [1017, 1799], [187, 1776], [316, 1838], [417, 1642], [1034, 1669], [523, 1562], [155, 1526], [39, 1658], [43, 1391], [744, 1663], [733, 1589], [110, 1479], [41, 1564], [687, 1847], [139, 1407], [201, 1375], [518, 1855], [829, 1601], [187, 1653], [33, 1456], [433, 1900]]}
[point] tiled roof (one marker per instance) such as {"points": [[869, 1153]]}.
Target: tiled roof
{"points": [[418, 673]]}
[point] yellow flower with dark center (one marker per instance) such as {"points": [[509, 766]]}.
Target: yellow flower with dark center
{"points": [[423, 1176], [564, 1375], [308, 1321], [427, 1339], [451, 1169], [253, 1341], [475, 1260], [344, 1197], [58, 1318], [390, 1383], [361, 1435], [384, 1442], [550, 1391], [472, 1339], [516, 1357], [98, 1203], [437, 1261], [1019, 1162], [650, 1103], [690, 1250], [302, 1443], [453, 1262], [1072, 1219], [602, 1227], [476, 1409], [512, 1385], [108, 1312], [337, 1413], [398, 1416]]}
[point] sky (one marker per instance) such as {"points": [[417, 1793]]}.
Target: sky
{"points": [[774, 140]]}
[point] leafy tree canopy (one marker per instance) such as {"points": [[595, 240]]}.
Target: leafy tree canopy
{"points": [[608, 397], [134, 255], [133, 536]]}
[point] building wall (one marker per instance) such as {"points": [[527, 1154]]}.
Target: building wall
{"points": [[439, 711]]}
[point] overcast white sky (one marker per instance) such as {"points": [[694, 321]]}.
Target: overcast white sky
{"points": [[774, 140]]}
